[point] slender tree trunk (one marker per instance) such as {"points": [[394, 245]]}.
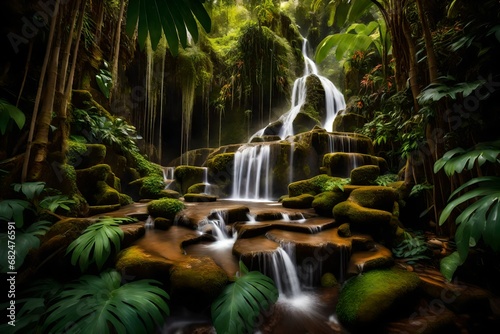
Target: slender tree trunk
{"points": [[116, 53], [27, 158], [26, 68]]}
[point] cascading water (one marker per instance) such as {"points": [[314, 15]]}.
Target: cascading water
{"points": [[252, 178], [252, 172], [168, 176], [217, 223]]}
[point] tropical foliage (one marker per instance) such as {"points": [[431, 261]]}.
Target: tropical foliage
{"points": [[171, 18], [21, 236], [479, 218], [101, 304], [95, 244], [237, 307], [10, 112]]}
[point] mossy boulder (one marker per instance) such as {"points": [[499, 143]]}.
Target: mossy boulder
{"points": [[315, 185], [365, 175], [344, 230], [82, 155], [165, 207], [324, 202], [98, 185], [303, 201], [199, 198], [373, 297], [186, 176], [375, 197], [340, 164], [151, 187], [377, 223], [348, 122], [105, 195], [136, 263], [162, 223], [328, 280], [196, 282]]}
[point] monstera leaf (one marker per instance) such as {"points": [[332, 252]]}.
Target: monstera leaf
{"points": [[154, 17], [100, 304], [237, 307]]}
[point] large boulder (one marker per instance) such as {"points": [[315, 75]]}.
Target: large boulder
{"points": [[367, 300], [196, 282]]}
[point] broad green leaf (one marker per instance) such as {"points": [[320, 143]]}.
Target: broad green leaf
{"points": [[30, 189], [99, 304], [13, 210], [449, 265], [7, 112], [236, 308], [94, 245]]}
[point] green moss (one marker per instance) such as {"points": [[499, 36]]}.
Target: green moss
{"points": [[152, 187], [324, 202], [328, 280], [186, 176], [165, 207], [144, 166], [316, 185], [349, 211], [344, 230], [365, 175], [76, 151], [375, 197], [125, 199], [100, 209], [221, 163], [298, 202], [366, 298], [105, 195], [197, 188], [135, 262]]}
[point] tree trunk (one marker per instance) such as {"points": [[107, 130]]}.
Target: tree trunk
{"points": [[116, 51], [26, 164]]}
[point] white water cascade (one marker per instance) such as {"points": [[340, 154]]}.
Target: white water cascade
{"points": [[219, 230], [254, 163]]}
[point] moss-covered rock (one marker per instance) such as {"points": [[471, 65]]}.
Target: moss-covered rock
{"points": [[340, 164], [199, 198], [344, 230], [375, 197], [186, 176], [328, 280], [105, 195], [324, 202], [303, 201], [196, 282], [348, 122], [125, 199], [375, 296], [136, 263], [151, 187], [165, 207], [315, 185], [365, 220], [162, 223], [365, 175], [100, 209], [82, 155]]}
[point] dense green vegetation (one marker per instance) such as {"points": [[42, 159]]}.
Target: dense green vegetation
{"points": [[132, 86]]}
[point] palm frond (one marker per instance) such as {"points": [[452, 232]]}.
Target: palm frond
{"points": [[237, 307]]}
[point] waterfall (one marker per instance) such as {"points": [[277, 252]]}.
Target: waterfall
{"points": [[168, 176], [217, 223], [284, 273], [252, 173], [334, 100]]}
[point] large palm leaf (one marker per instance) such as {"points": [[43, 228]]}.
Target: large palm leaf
{"points": [[94, 245], [100, 304], [154, 17], [481, 218], [237, 307]]}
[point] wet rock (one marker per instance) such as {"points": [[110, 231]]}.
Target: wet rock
{"points": [[199, 198], [131, 233], [186, 176], [162, 223], [136, 263], [344, 230], [340, 164], [378, 257], [196, 282]]}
